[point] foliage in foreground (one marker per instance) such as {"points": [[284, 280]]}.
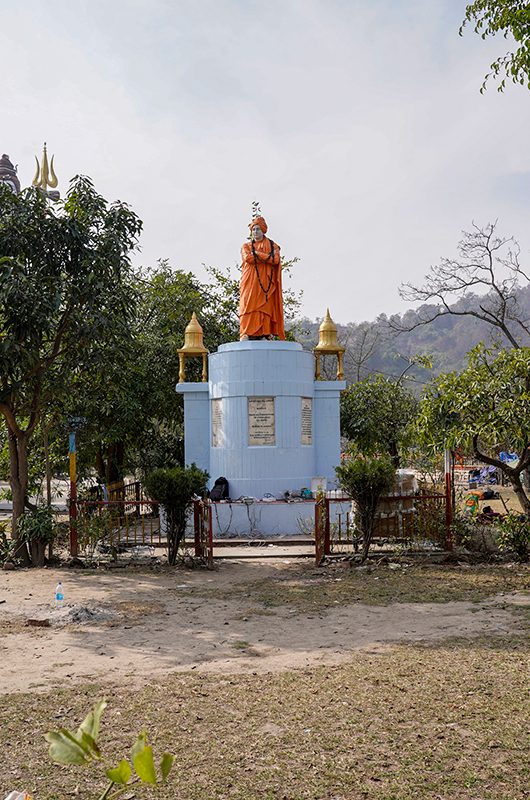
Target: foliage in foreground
{"points": [[38, 524], [37, 528], [174, 488], [7, 546], [82, 748], [366, 478]]}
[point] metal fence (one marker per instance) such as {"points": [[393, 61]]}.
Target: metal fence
{"points": [[132, 491], [412, 519], [114, 525]]}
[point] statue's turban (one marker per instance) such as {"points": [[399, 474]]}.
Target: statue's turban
{"points": [[260, 222]]}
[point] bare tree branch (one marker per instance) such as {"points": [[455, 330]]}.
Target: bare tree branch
{"points": [[484, 280]]}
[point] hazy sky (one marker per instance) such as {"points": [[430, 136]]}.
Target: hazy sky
{"points": [[357, 124]]}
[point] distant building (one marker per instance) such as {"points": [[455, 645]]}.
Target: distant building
{"points": [[8, 174]]}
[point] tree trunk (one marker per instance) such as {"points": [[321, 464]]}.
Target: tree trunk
{"points": [[18, 480], [515, 480], [394, 453], [115, 452], [100, 464], [513, 474], [47, 465], [367, 521], [109, 463], [38, 552]]}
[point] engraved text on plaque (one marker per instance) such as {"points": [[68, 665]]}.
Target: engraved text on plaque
{"points": [[217, 423], [261, 428], [307, 420]]}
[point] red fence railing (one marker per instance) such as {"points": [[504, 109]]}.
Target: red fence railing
{"points": [[400, 518]]}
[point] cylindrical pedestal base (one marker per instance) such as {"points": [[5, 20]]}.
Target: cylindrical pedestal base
{"points": [[261, 397]]}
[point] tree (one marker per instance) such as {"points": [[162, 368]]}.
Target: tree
{"points": [[365, 478], [509, 17], [174, 488], [134, 417], [376, 414], [47, 456], [487, 264], [133, 394], [486, 407], [66, 294], [360, 344]]}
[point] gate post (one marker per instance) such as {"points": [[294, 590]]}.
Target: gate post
{"points": [[209, 560], [327, 529], [448, 500], [197, 526], [318, 554], [73, 495]]}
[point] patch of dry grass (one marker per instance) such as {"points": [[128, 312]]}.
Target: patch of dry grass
{"points": [[440, 723], [306, 588]]}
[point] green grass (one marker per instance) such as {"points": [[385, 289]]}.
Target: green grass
{"points": [[413, 722], [307, 589], [445, 721]]}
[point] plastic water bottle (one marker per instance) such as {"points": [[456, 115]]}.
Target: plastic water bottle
{"points": [[59, 596]]}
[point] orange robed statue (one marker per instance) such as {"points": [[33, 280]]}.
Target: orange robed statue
{"points": [[260, 297]]}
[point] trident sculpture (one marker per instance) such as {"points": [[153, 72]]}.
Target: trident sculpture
{"points": [[45, 177]]}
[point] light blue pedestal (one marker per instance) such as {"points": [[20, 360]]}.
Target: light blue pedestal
{"points": [[220, 424], [269, 520]]}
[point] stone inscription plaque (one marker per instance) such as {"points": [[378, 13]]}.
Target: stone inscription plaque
{"points": [[307, 420], [261, 425], [217, 423]]}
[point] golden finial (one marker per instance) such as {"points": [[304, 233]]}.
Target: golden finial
{"points": [[45, 177], [329, 345], [193, 346]]}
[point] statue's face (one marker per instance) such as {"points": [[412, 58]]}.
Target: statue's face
{"points": [[257, 233]]}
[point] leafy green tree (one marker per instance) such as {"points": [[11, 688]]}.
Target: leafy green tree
{"points": [[366, 478], [174, 488], [376, 415], [510, 18], [65, 294], [135, 419], [485, 408], [514, 536], [136, 380]]}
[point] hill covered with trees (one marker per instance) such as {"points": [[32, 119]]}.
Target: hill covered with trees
{"points": [[390, 345]]}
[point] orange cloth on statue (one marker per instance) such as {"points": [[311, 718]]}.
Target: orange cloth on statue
{"points": [[260, 298]]}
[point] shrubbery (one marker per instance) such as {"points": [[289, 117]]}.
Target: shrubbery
{"points": [[174, 488], [514, 536], [365, 478], [38, 529]]}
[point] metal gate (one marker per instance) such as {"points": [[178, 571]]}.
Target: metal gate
{"points": [[401, 518]]}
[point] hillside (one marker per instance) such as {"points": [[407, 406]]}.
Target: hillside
{"points": [[375, 346]]}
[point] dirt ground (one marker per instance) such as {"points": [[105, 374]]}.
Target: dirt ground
{"points": [[245, 617]]}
